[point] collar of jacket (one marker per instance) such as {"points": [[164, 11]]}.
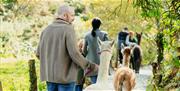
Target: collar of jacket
{"points": [[58, 20], [98, 29]]}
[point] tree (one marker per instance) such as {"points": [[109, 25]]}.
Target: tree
{"points": [[165, 12]]}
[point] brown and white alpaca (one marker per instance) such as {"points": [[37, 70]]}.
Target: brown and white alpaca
{"points": [[124, 75], [105, 56]]}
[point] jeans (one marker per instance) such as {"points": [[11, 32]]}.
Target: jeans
{"points": [[93, 79], [60, 87], [79, 88]]}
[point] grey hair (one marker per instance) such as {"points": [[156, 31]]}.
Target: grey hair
{"points": [[63, 9]]}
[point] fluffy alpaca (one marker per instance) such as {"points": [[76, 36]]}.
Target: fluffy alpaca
{"points": [[124, 75], [137, 57], [105, 56]]}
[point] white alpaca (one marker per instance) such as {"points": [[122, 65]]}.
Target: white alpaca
{"points": [[102, 80]]}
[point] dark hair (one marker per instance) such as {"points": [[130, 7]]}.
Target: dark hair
{"points": [[95, 24]]}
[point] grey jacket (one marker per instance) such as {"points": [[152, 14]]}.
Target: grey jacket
{"points": [[59, 56], [92, 47]]}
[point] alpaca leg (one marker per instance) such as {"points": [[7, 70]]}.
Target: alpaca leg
{"points": [[117, 58], [117, 84], [120, 88], [120, 56], [118, 81], [133, 81], [137, 66], [133, 63], [128, 85]]}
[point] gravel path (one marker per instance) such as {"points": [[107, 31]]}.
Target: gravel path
{"points": [[141, 80]]}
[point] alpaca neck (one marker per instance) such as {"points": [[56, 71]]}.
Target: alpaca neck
{"points": [[104, 67], [126, 60], [139, 40]]}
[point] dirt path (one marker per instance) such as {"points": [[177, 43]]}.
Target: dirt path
{"points": [[142, 78]]}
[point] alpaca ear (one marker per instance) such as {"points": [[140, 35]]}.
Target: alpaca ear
{"points": [[136, 33], [112, 43], [141, 33]]}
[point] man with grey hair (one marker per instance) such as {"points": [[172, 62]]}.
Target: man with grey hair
{"points": [[59, 56]]}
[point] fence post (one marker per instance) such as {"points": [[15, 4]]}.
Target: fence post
{"points": [[32, 75], [1, 89]]}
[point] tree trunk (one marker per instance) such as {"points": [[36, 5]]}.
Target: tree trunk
{"points": [[32, 75], [160, 54]]}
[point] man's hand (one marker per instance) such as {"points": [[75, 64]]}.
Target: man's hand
{"points": [[93, 68]]}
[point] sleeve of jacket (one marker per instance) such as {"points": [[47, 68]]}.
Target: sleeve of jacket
{"points": [[73, 50], [85, 47], [136, 41], [39, 45], [127, 40]]}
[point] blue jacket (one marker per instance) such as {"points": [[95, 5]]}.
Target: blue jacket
{"points": [[122, 38]]}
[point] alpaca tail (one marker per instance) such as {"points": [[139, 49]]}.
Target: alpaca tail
{"points": [[118, 81]]}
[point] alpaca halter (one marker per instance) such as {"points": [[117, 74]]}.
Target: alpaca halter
{"points": [[104, 51]]}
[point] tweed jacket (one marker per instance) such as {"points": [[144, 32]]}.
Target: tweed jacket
{"points": [[59, 56]]}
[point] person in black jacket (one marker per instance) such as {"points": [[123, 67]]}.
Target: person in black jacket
{"points": [[121, 40]]}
